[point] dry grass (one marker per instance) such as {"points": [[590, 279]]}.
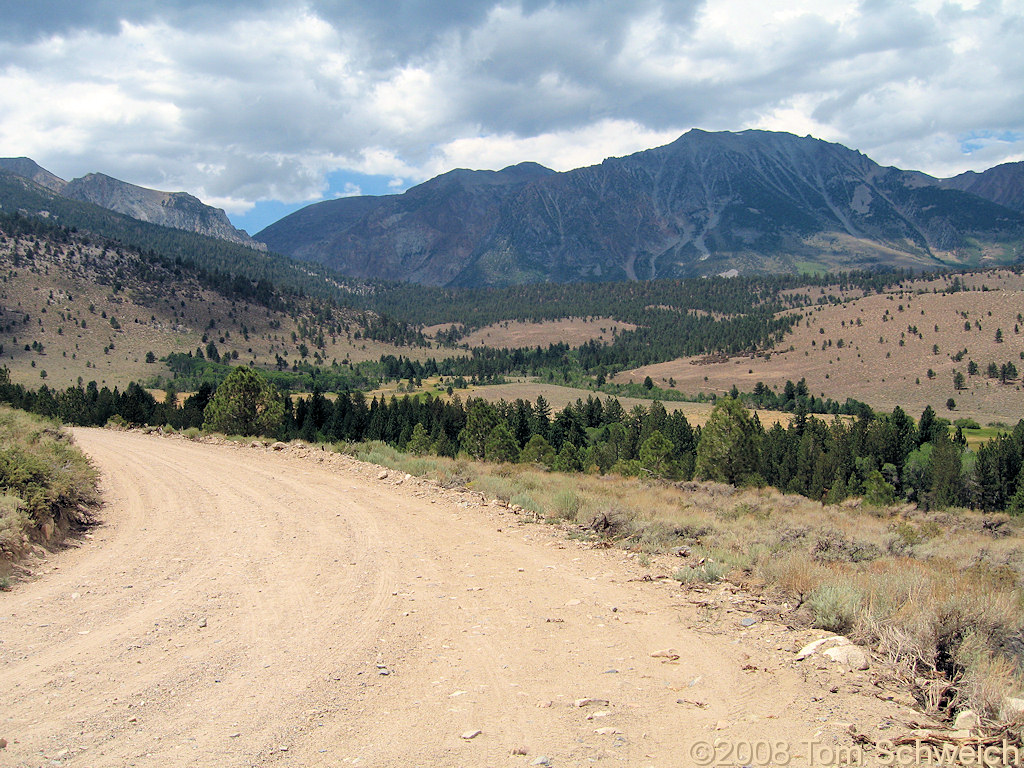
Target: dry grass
{"points": [[573, 331], [151, 318], [938, 593], [886, 374]]}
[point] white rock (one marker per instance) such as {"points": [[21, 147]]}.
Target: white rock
{"points": [[811, 648], [1012, 708], [588, 701], [967, 720], [471, 734], [848, 655]]}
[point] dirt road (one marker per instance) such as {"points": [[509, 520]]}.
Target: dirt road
{"points": [[241, 606]]}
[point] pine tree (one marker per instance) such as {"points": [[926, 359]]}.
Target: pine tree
{"points": [[419, 442], [501, 444], [729, 447], [877, 491], [928, 426], [944, 473], [538, 451], [244, 404], [568, 459], [542, 415], [654, 454], [1017, 502], [480, 420], [837, 492]]}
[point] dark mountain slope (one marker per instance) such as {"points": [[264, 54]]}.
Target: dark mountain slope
{"points": [[754, 201], [425, 235], [21, 195], [1003, 184], [310, 229]]}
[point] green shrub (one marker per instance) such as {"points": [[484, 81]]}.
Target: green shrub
{"points": [[494, 487], [14, 524], [707, 572], [117, 422], [43, 479], [566, 505], [527, 502], [746, 509], [835, 607]]}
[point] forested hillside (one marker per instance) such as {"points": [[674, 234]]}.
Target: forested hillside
{"points": [[75, 306], [19, 195]]}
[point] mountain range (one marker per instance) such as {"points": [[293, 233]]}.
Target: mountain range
{"points": [[748, 202], [178, 210], [708, 203]]}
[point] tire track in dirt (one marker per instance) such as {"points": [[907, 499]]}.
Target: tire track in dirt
{"points": [[266, 588]]}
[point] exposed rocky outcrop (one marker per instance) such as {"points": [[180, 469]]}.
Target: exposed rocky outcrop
{"points": [[178, 210], [23, 166]]}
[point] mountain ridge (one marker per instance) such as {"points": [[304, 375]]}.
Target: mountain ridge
{"points": [[1003, 184], [708, 202], [177, 210], [30, 169]]}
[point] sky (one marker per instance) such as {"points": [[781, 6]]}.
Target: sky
{"points": [[262, 107]]}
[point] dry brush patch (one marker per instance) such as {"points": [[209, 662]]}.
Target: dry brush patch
{"points": [[47, 485]]}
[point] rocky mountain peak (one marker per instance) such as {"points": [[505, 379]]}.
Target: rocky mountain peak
{"points": [[23, 166]]}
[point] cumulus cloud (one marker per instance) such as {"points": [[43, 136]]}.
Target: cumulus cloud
{"points": [[250, 100], [559, 150]]}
